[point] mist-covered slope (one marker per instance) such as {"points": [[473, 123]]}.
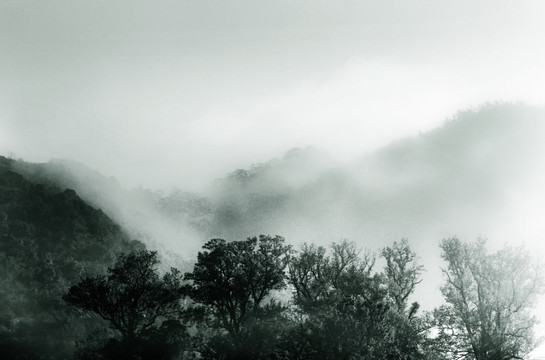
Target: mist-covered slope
{"points": [[457, 179], [49, 240], [478, 174], [172, 223]]}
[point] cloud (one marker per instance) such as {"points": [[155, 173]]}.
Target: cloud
{"points": [[181, 92]]}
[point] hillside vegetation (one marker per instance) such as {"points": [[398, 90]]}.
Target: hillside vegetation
{"points": [[49, 239]]}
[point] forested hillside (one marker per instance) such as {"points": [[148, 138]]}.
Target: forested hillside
{"points": [[49, 239], [174, 223]]}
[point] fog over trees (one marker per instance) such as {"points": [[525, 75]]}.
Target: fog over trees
{"points": [[401, 286], [246, 179]]}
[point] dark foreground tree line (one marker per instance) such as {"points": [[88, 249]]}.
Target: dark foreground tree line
{"points": [[261, 299]]}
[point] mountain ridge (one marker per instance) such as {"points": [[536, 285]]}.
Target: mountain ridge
{"points": [[474, 155]]}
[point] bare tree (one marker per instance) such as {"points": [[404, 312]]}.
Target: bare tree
{"points": [[489, 297], [403, 273]]}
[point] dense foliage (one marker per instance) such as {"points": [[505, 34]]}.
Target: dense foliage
{"points": [[48, 240], [349, 312], [133, 299]]}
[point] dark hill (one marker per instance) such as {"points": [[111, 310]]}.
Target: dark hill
{"points": [[170, 223], [49, 239]]}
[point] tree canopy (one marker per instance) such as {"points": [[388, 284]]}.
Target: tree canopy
{"points": [[233, 278], [132, 297], [348, 311]]}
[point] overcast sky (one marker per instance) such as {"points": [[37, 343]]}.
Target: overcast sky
{"points": [[163, 93]]}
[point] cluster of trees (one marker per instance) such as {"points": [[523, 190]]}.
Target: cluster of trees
{"points": [[260, 299]]}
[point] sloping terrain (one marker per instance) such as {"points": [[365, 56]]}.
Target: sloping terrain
{"points": [[49, 240]]}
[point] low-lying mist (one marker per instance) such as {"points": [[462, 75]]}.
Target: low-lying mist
{"points": [[479, 175]]}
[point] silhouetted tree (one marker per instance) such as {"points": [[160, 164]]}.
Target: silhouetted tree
{"points": [[233, 278], [347, 311], [132, 297], [488, 298], [318, 277]]}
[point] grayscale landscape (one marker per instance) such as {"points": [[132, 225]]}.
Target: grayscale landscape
{"points": [[272, 180]]}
